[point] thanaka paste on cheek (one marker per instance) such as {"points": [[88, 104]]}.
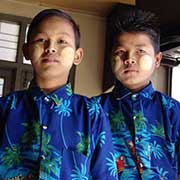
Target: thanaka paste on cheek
{"points": [[67, 56], [36, 52], [146, 62], [116, 62], [116, 58]]}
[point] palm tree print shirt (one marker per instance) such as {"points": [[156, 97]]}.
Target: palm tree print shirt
{"points": [[146, 129], [60, 136]]}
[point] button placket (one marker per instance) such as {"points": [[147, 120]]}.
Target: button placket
{"points": [[44, 107], [47, 104]]}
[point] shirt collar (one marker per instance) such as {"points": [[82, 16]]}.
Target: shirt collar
{"points": [[63, 92], [121, 92]]}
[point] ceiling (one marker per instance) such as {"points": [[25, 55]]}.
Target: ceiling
{"points": [[95, 7], [167, 11]]}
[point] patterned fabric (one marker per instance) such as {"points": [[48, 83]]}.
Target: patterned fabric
{"points": [[58, 136], [146, 129]]}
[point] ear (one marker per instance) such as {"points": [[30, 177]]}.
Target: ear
{"points": [[25, 51], [78, 56], [158, 59]]}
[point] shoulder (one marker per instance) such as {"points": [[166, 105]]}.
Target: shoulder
{"points": [[93, 101], [81, 100], [92, 110], [89, 107], [106, 100], [103, 98], [12, 98], [167, 101], [12, 95], [92, 105], [170, 108]]}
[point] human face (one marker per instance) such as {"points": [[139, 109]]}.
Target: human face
{"points": [[134, 60], [52, 49]]}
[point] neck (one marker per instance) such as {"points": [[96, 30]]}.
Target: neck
{"points": [[49, 85], [137, 89]]}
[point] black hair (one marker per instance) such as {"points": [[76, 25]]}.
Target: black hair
{"points": [[54, 12], [135, 21]]}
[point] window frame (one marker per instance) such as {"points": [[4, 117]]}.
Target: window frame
{"points": [[17, 67]]}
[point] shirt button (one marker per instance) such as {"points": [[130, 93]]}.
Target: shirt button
{"points": [[134, 96], [43, 157], [46, 99], [137, 139], [45, 127]]}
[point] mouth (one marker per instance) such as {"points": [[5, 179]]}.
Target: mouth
{"points": [[127, 71], [49, 60]]}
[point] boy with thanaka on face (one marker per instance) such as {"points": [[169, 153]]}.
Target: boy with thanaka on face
{"points": [[145, 123], [47, 131]]}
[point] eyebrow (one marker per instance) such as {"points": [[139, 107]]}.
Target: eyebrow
{"points": [[63, 33], [119, 45], [140, 45]]}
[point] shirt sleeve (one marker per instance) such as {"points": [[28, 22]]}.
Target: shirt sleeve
{"points": [[178, 153], [2, 123], [176, 130], [178, 158], [103, 165]]}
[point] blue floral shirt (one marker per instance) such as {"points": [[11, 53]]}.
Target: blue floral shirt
{"points": [[60, 136], [146, 133]]}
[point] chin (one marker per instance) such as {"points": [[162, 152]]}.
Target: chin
{"points": [[129, 83]]}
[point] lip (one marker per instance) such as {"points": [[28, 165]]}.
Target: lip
{"points": [[130, 70], [49, 60]]}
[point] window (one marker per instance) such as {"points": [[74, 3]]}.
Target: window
{"points": [[1, 86], [8, 40], [15, 73], [175, 89]]}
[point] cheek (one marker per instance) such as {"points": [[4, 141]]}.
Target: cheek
{"points": [[67, 56], [35, 52], [116, 63], [146, 62]]}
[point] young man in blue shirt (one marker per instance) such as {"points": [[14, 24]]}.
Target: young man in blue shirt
{"points": [[145, 123], [47, 132]]}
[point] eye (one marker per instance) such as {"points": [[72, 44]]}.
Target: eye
{"points": [[141, 51], [40, 40], [61, 41], [119, 53]]}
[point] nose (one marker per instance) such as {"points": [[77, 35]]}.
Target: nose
{"points": [[51, 48], [130, 60]]}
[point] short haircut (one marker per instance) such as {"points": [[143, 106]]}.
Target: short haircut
{"points": [[41, 16], [136, 21]]}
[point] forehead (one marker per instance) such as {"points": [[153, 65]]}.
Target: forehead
{"points": [[52, 25], [55, 21], [133, 39]]}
